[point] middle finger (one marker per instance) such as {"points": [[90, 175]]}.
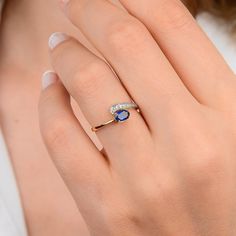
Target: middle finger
{"points": [[134, 55]]}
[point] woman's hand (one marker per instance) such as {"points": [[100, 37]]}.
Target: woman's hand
{"points": [[170, 170]]}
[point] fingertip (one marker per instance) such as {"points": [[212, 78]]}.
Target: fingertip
{"points": [[57, 38], [63, 5], [48, 78]]}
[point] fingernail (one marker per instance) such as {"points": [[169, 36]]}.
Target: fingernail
{"points": [[48, 78], [57, 38], [63, 4]]}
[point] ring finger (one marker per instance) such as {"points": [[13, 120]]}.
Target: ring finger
{"points": [[95, 88]]}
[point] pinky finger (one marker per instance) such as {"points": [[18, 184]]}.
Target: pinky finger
{"points": [[81, 165]]}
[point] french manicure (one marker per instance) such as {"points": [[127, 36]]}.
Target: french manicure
{"points": [[57, 38], [48, 78]]}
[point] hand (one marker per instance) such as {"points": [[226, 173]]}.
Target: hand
{"points": [[169, 170]]}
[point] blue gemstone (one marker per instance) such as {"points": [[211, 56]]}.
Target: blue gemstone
{"points": [[121, 115]]}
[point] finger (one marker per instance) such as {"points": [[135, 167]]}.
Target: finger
{"points": [[134, 55], [80, 164], [196, 60], [95, 88]]}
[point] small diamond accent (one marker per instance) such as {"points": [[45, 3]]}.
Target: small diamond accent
{"points": [[123, 106]]}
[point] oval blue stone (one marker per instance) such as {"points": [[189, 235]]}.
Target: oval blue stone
{"points": [[121, 115]]}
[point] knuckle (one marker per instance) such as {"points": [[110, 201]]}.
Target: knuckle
{"points": [[206, 169], [126, 36], [120, 216], [116, 211], [56, 136], [175, 17], [89, 79], [158, 193], [56, 133]]}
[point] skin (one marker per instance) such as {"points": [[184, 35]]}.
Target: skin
{"points": [[169, 171], [202, 113], [25, 28]]}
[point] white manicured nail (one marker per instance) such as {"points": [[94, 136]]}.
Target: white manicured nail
{"points": [[57, 38], [48, 78]]}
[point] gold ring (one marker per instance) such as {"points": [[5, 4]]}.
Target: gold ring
{"points": [[120, 114]]}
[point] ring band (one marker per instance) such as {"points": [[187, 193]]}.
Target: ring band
{"points": [[119, 112]]}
